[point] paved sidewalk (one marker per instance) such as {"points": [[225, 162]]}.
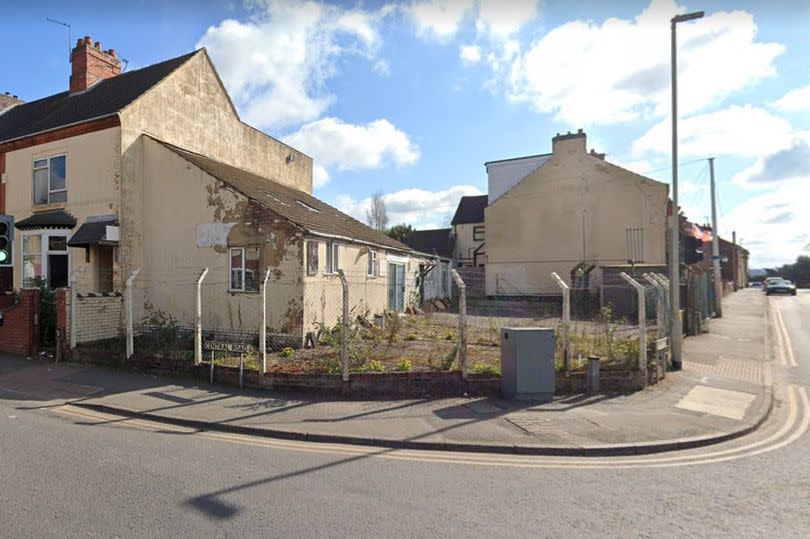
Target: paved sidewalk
{"points": [[724, 391]]}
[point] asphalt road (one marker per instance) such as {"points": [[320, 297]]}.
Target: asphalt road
{"points": [[70, 472]]}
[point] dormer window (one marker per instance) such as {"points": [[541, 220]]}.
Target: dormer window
{"points": [[50, 180]]}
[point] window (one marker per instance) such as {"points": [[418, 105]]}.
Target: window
{"points": [[45, 256], [478, 233], [332, 262], [245, 269], [50, 180], [371, 270], [312, 258]]}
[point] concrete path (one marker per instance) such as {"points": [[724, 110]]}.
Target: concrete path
{"points": [[724, 391]]}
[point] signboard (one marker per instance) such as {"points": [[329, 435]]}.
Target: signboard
{"points": [[662, 344], [220, 346]]}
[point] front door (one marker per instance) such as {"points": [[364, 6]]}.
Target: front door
{"points": [[396, 287]]}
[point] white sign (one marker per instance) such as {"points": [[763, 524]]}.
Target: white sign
{"points": [[219, 346]]}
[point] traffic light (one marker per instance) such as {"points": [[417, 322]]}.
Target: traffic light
{"points": [[6, 240]]}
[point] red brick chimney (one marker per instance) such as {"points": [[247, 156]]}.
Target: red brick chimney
{"points": [[90, 64]]}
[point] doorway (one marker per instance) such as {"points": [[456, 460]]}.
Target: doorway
{"points": [[396, 287]]}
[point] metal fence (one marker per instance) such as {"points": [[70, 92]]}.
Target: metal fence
{"points": [[381, 320]]}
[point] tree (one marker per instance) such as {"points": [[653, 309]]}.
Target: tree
{"points": [[798, 272], [400, 232], [377, 214]]}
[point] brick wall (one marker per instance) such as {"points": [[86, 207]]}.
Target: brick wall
{"points": [[19, 333], [98, 316]]}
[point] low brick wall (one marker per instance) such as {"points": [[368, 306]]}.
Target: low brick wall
{"points": [[98, 317], [19, 333]]}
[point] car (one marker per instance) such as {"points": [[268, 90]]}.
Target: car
{"points": [[780, 286], [757, 284]]}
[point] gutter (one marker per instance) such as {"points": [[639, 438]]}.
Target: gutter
{"points": [[60, 127]]}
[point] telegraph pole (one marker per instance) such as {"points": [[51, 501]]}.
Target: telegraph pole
{"points": [[718, 278]]}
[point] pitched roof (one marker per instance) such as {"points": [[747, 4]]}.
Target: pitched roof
{"points": [[437, 241], [470, 210], [103, 99], [296, 206]]}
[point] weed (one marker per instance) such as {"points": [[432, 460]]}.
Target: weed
{"points": [[405, 365], [375, 365], [287, 352], [483, 368]]}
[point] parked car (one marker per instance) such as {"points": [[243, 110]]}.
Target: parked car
{"points": [[757, 285], [780, 286]]}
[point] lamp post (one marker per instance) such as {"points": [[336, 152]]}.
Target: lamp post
{"points": [[674, 254]]}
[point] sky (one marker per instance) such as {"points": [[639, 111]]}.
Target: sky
{"points": [[409, 99]]}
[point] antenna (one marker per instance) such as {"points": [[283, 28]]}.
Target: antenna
{"points": [[68, 29]]}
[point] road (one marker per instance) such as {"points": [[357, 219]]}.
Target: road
{"points": [[71, 472]]}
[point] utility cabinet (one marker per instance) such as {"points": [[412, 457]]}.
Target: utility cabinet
{"points": [[527, 363]]}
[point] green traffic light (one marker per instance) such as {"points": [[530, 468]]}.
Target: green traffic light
{"points": [[3, 257]]}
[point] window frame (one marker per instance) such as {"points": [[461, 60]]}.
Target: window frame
{"points": [[243, 269], [372, 265], [478, 229], [313, 263], [332, 258], [47, 167], [45, 235]]}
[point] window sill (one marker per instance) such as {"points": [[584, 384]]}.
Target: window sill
{"points": [[244, 292], [37, 208]]}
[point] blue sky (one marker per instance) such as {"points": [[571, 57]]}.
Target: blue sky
{"points": [[411, 98]]}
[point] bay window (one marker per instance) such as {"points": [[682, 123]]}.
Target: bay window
{"points": [[45, 255]]}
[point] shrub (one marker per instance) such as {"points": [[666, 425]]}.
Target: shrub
{"points": [[375, 365], [287, 352]]}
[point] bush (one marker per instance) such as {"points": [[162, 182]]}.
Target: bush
{"points": [[287, 352], [374, 365]]}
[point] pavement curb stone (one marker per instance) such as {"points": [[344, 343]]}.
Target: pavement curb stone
{"points": [[607, 450]]}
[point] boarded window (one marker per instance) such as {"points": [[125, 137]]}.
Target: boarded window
{"points": [[634, 238], [312, 258], [478, 233]]}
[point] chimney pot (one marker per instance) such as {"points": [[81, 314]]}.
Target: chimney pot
{"points": [[579, 131], [111, 52], [79, 42], [98, 45], [87, 40]]}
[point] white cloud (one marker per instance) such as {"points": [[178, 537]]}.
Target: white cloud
{"points": [[502, 19], [470, 54], [618, 71], [333, 142], [774, 226], [275, 66], [785, 164], [438, 19], [320, 176], [420, 208], [745, 131], [796, 100]]}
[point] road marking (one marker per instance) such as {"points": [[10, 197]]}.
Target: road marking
{"points": [[784, 346], [796, 415], [716, 401]]}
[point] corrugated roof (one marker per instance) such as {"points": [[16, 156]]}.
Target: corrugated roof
{"points": [[470, 210], [103, 99], [437, 241], [300, 208]]}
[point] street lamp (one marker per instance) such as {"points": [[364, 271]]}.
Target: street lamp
{"points": [[674, 255]]}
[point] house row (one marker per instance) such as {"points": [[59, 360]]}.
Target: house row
{"points": [[153, 169]]}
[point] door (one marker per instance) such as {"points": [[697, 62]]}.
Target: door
{"points": [[396, 287]]}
